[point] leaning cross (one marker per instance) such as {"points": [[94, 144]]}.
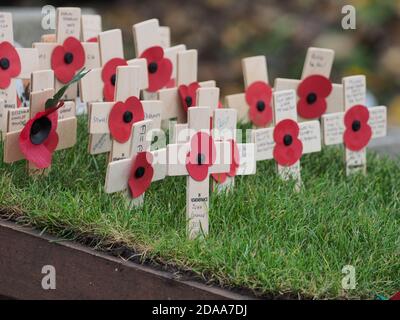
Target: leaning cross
{"points": [[135, 174], [315, 93], [254, 105], [178, 99], [16, 63], [126, 97], [243, 161], [356, 125], [38, 136], [288, 140], [68, 28], [197, 159], [150, 42]]}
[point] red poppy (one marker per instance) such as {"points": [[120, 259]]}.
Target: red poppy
{"points": [[358, 132], [141, 174], [67, 59], [221, 177], [188, 95], [109, 76], [159, 68], [10, 64], [288, 147], [312, 93], [170, 84], [258, 97], [122, 116], [201, 156], [93, 39], [38, 139]]}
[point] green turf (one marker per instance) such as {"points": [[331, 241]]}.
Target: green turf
{"points": [[263, 236]]}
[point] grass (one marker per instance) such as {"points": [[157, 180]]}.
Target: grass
{"points": [[263, 236]]}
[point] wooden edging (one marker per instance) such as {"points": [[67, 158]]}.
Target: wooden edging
{"points": [[83, 273]]}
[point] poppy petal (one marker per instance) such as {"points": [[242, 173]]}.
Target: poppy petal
{"points": [[219, 177], [141, 174], [258, 97], [64, 73], [235, 159], [188, 95], [312, 93], [284, 127], [160, 78], [152, 54], [288, 155], [7, 51], [39, 154], [357, 138], [162, 73], [75, 47], [5, 79], [258, 90], [122, 116], [201, 156]]}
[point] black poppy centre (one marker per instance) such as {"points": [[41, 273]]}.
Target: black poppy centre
{"points": [[201, 159], [113, 79], [356, 125], [189, 101], [127, 116], [4, 63], [139, 172], [152, 68], [260, 106], [68, 57], [287, 140], [311, 98], [40, 130]]}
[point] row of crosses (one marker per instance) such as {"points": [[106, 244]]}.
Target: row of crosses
{"points": [[129, 101]]}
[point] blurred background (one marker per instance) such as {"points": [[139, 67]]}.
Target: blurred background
{"points": [[224, 31]]}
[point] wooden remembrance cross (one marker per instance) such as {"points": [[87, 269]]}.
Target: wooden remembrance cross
{"points": [[315, 94], [223, 125], [149, 42], [288, 140], [355, 125], [100, 83], [68, 33], [15, 63], [184, 95], [254, 105], [243, 160], [103, 121], [41, 138], [135, 174], [197, 159]]}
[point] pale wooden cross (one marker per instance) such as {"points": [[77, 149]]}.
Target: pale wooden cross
{"points": [[92, 86], [321, 96], [91, 26], [205, 96], [68, 25], [362, 124], [187, 62], [127, 86], [28, 61], [197, 159], [39, 132], [243, 160], [282, 142], [148, 34], [255, 75], [223, 125], [126, 175]]}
